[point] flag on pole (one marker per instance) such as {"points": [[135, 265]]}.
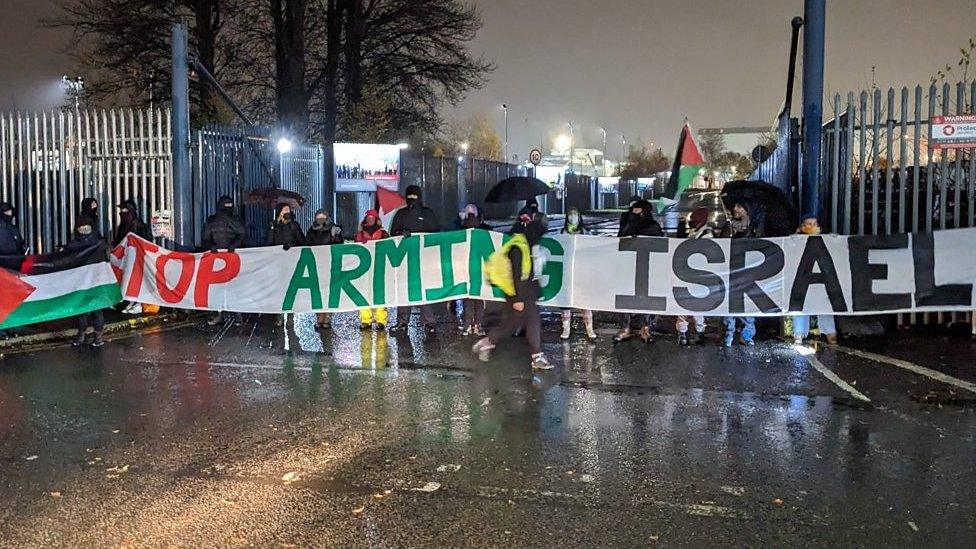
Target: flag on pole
{"points": [[387, 203], [57, 285], [688, 161]]}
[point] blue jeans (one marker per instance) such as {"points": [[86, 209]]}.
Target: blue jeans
{"points": [[801, 325], [748, 327]]}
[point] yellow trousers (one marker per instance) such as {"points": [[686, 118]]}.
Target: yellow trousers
{"points": [[367, 316]]}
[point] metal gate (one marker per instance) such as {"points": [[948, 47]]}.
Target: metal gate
{"points": [[50, 161]]}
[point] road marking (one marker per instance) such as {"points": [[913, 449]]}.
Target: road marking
{"points": [[911, 367], [829, 374]]}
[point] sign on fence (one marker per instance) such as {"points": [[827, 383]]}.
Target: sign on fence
{"points": [[161, 224], [953, 132]]}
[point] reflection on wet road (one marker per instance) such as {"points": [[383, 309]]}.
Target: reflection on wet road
{"points": [[279, 436]]}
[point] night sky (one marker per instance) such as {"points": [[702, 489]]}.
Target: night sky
{"points": [[635, 67]]}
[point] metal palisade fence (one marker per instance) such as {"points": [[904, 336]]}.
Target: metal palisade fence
{"points": [[50, 162], [880, 174]]}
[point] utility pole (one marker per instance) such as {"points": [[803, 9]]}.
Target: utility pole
{"points": [[505, 155], [814, 15], [182, 191], [603, 165]]}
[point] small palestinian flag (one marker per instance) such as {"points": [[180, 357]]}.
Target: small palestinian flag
{"points": [[57, 285], [688, 162], [387, 204]]}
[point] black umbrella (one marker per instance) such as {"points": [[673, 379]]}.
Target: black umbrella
{"points": [[514, 189], [768, 205], [271, 197]]}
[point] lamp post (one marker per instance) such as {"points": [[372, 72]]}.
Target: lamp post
{"points": [[603, 164], [505, 109], [74, 85]]}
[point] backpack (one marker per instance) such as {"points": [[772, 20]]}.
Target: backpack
{"points": [[499, 269]]}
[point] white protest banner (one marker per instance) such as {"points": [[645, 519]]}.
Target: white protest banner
{"points": [[762, 277]]}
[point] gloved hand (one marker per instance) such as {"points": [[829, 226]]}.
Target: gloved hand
{"points": [[286, 247], [214, 250], [230, 250], [336, 230], [406, 234]]}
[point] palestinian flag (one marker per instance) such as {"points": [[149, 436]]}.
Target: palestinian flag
{"points": [[387, 204], [688, 162], [57, 285]]}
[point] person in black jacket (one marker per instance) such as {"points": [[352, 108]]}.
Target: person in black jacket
{"points": [[89, 209], [639, 221], [524, 311], [130, 222], [414, 218], [11, 241], [224, 231], [285, 231], [84, 237], [323, 232]]}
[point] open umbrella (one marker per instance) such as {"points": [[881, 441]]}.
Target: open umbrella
{"points": [[271, 197], [768, 205], [514, 189]]}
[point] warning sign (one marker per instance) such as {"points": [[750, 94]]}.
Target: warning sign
{"points": [[161, 224], [952, 132]]}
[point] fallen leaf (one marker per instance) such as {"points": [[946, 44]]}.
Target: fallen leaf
{"points": [[655, 538], [734, 490], [115, 431], [56, 495], [913, 526], [227, 502], [359, 510], [429, 487], [778, 501], [450, 467], [258, 382], [289, 477], [379, 495], [586, 478], [31, 458]]}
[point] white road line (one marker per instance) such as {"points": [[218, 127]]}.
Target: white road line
{"points": [[827, 373], [911, 367]]}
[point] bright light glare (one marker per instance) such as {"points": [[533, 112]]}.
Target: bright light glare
{"points": [[285, 145], [804, 350], [563, 142], [464, 147], [402, 146]]}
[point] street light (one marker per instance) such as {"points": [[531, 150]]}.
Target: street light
{"points": [[505, 108], [284, 145], [403, 146], [563, 142], [74, 86], [464, 147]]}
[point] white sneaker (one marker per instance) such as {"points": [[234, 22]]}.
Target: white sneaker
{"points": [[135, 309], [567, 330], [539, 362], [590, 334]]}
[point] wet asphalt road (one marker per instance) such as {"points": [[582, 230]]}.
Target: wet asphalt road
{"points": [[271, 437]]}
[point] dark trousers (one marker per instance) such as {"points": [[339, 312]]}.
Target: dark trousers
{"points": [[427, 312], [627, 321], [474, 312], [95, 319], [514, 320]]}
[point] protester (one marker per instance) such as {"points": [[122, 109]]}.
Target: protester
{"points": [[89, 208], [323, 232], [285, 231], [413, 219], [698, 228], [474, 309], [626, 215], [11, 241], [371, 229], [84, 237], [573, 226], [224, 231], [801, 323], [130, 222], [740, 226], [511, 269], [638, 221]]}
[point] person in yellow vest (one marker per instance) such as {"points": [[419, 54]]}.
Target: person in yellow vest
{"points": [[511, 270]]}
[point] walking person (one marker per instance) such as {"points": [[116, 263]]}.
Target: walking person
{"points": [[740, 226], [637, 221], [698, 228], [130, 222], [474, 309], [224, 231], [511, 270], [415, 218], [801, 323], [83, 238], [372, 229], [574, 226], [323, 232]]}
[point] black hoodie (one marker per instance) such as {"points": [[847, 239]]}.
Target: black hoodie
{"points": [[11, 242]]}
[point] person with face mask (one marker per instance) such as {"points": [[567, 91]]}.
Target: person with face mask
{"points": [[801, 323], [323, 232], [474, 309], [372, 229], [130, 222], [224, 231], [11, 241], [518, 280], [89, 210], [413, 219], [573, 226], [83, 238], [637, 221], [285, 231]]}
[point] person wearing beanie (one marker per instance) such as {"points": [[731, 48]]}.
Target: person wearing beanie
{"points": [[415, 218], [372, 229], [224, 230]]}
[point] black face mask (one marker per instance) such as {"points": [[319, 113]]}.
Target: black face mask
{"points": [[321, 223], [227, 209], [412, 201], [286, 217]]}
